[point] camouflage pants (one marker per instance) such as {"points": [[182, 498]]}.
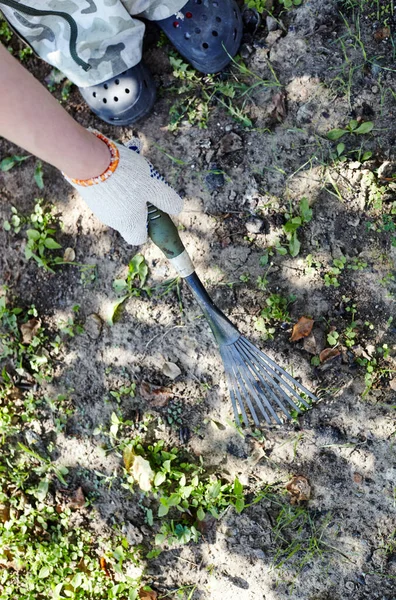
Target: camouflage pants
{"points": [[90, 41]]}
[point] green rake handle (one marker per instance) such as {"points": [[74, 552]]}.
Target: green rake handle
{"points": [[163, 232]]}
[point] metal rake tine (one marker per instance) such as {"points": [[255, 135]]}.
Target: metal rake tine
{"points": [[278, 389], [276, 366], [277, 386], [273, 364], [256, 393], [234, 387], [267, 388], [229, 385], [243, 385]]}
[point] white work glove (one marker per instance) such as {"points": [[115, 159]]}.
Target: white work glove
{"points": [[119, 197]]}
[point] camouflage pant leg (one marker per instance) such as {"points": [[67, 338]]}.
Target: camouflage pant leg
{"points": [[90, 41]]}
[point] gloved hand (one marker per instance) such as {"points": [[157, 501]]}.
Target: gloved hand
{"points": [[119, 196]]}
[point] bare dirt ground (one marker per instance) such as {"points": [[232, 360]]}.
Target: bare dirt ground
{"points": [[333, 63]]}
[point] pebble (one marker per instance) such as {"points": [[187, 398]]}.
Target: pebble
{"points": [[171, 370], [272, 24], [254, 226]]}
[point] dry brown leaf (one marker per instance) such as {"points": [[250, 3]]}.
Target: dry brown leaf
{"points": [[103, 566], [299, 489], [382, 34], [392, 384], [147, 595], [69, 255], [328, 353], [4, 513], [29, 330], [279, 111], [302, 329], [77, 500], [157, 396]]}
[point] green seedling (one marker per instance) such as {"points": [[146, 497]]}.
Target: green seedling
{"points": [[376, 370], [40, 241], [11, 161], [132, 285], [124, 391], [293, 223], [333, 338], [71, 326], [353, 127], [25, 350], [331, 277], [276, 310], [175, 411]]}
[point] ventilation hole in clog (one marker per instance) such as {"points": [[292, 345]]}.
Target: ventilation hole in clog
{"points": [[106, 87], [188, 15], [214, 33], [115, 99], [198, 1], [204, 18], [187, 36], [176, 24], [197, 30], [205, 46], [218, 19], [215, 4], [94, 94], [117, 81], [104, 101]]}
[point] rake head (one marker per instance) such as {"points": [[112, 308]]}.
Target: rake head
{"points": [[257, 383]]}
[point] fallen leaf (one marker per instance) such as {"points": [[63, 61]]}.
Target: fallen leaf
{"points": [[139, 468], [382, 34], [279, 111], [157, 396], [147, 594], [93, 326], [302, 329], [171, 370], [392, 384], [129, 457], [29, 330], [328, 353], [103, 566], [69, 255], [4, 513], [77, 500], [299, 489]]}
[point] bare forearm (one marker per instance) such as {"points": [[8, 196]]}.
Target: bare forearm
{"points": [[31, 118]]}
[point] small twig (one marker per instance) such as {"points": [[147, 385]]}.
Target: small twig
{"points": [[165, 334]]}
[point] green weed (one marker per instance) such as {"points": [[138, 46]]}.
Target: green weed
{"points": [[294, 223], [353, 127], [184, 492], [275, 311]]}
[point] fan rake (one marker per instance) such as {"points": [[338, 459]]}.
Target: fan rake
{"points": [[255, 382]]}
